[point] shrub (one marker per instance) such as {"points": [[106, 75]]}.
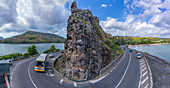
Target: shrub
{"points": [[26, 55], [86, 32]]}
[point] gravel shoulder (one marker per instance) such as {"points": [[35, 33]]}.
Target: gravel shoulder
{"points": [[160, 71]]}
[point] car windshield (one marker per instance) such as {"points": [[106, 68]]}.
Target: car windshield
{"points": [[138, 54], [40, 63]]}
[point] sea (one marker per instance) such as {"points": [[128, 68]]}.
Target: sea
{"points": [[6, 49], [160, 50]]}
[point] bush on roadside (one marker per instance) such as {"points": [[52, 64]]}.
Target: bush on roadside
{"points": [[52, 49], [26, 55], [10, 56]]}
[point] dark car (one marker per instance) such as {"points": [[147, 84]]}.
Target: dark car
{"points": [[61, 51], [51, 55], [130, 50]]}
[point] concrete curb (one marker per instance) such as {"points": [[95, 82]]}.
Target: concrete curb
{"points": [[150, 73], [113, 63], [53, 68]]}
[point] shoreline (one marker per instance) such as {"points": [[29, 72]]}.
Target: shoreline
{"points": [[156, 57], [148, 44]]}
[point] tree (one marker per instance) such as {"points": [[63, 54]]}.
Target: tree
{"points": [[52, 48], [32, 50]]}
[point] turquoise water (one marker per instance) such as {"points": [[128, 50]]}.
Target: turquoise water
{"points": [[162, 51], [22, 48]]}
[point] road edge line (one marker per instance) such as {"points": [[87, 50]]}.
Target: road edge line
{"points": [[30, 75], [124, 72], [140, 74]]}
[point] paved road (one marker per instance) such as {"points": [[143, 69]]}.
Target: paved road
{"points": [[24, 76], [126, 74]]}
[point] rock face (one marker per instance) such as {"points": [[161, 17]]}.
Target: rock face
{"points": [[85, 54]]}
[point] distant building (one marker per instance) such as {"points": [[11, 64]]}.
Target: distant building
{"points": [[4, 72]]}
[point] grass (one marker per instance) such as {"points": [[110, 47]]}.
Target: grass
{"points": [[107, 46]]}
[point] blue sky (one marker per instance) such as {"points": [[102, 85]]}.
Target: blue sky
{"points": [[114, 10], [149, 18]]}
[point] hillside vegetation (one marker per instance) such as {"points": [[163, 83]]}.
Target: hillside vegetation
{"points": [[139, 40], [34, 37]]}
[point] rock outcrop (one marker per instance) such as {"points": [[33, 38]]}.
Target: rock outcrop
{"points": [[85, 53]]}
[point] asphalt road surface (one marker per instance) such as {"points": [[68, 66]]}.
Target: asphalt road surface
{"points": [[125, 75]]}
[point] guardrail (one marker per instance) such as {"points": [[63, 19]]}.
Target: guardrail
{"points": [[113, 63]]}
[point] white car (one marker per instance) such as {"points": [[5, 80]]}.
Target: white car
{"points": [[139, 56]]}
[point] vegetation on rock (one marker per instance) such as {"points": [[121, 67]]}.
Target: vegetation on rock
{"points": [[88, 48]]}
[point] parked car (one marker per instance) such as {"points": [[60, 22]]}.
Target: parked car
{"points": [[61, 51], [139, 56], [51, 56], [10, 62], [130, 50]]}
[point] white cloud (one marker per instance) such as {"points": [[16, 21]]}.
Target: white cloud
{"points": [[103, 5], [37, 15], [142, 18]]}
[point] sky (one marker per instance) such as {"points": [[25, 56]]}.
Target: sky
{"points": [[145, 18]]}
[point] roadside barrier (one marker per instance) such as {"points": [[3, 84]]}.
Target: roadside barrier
{"points": [[56, 72], [113, 63]]}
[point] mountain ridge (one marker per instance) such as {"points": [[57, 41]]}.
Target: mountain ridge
{"points": [[34, 37]]}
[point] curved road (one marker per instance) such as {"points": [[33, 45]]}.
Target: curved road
{"points": [[126, 74]]}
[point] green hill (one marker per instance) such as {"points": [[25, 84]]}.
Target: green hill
{"points": [[34, 37]]}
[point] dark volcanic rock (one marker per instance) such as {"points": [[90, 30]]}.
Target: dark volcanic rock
{"points": [[85, 54]]}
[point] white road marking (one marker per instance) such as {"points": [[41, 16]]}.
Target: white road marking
{"points": [[12, 72], [61, 81], [30, 75], [146, 86], [111, 70], [75, 84], [140, 77], [145, 79], [124, 73], [144, 69], [143, 65], [51, 75], [94, 81], [144, 73]]}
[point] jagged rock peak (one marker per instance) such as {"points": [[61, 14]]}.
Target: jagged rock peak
{"points": [[73, 7], [85, 54]]}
